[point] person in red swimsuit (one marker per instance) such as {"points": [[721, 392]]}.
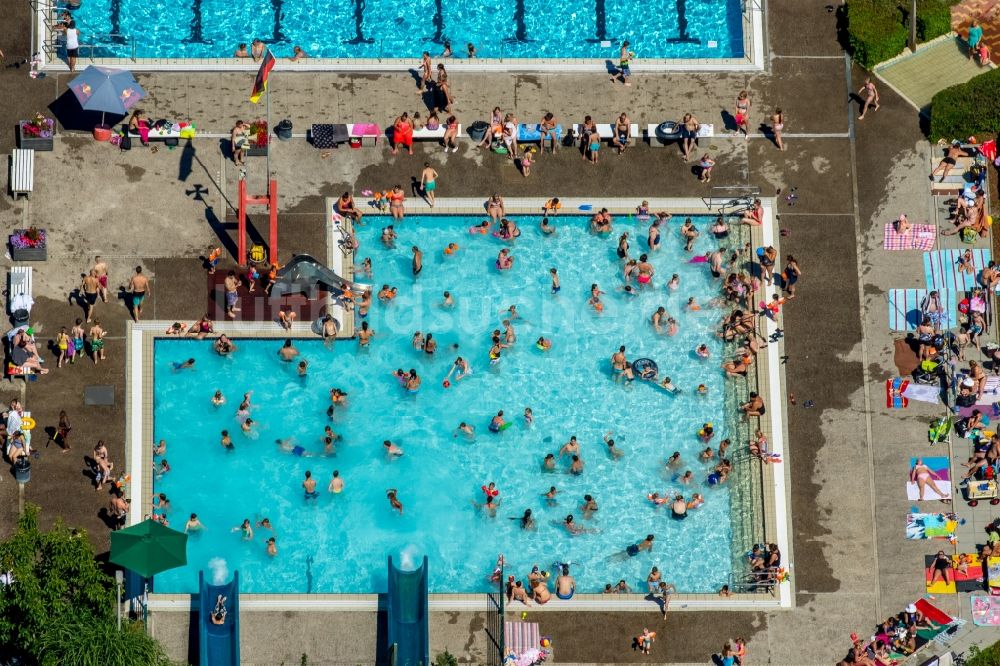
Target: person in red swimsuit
{"points": [[402, 133]]}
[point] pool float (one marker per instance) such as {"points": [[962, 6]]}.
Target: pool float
{"points": [[644, 366], [714, 478], [700, 259], [490, 492], [586, 207], [366, 193], [27, 423]]}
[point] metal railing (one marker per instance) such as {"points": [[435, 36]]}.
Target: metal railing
{"points": [[495, 622]]}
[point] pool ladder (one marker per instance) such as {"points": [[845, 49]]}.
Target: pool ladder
{"points": [[52, 40]]}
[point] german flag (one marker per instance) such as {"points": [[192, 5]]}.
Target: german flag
{"points": [[260, 83]]}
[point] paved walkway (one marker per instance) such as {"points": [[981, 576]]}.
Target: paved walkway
{"points": [[921, 75]]}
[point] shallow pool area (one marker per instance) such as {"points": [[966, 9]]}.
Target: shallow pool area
{"points": [[338, 542], [378, 29]]}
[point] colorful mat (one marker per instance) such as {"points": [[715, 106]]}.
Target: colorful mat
{"points": [[936, 479], [894, 398], [521, 636], [931, 526], [966, 575], [941, 269], [904, 308], [986, 611], [993, 574], [919, 237]]}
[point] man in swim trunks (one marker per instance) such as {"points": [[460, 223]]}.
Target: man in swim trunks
{"points": [[139, 286], [621, 134], [418, 261], [309, 485], [565, 584], [619, 362], [90, 286], [945, 166], [624, 59], [100, 269], [231, 285]]}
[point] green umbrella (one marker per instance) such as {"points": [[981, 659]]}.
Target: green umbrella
{"points": [[149, 548]]}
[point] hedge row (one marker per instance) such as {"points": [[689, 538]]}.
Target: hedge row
{"points": [[879, 29], [989, 656], [967, 109]]}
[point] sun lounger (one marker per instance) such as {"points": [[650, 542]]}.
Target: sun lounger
{"points": [[532, 132], [22, 172], [19, 289]]}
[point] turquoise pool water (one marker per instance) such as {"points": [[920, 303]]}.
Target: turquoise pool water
{"points": [[339, 543], [384, 29]]}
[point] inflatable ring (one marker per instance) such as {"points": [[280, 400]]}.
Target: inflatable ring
{"points": [[644, 365], [27, 423]]}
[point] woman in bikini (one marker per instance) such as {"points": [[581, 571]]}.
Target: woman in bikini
{"points": [[925, 477], [742, 114], [396, 198], [451, 134], [495, 130], [870, 97], [495, 207], [777, 126]]}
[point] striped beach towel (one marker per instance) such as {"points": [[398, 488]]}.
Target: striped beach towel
{"points": [[941, 269], [894, 398], [904, 308], [521, 636], [919, 237]]}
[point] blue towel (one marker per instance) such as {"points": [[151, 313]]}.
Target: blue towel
{"points": [[941, 269], [533, 132]]}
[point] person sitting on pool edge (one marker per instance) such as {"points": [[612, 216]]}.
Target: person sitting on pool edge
{"points": [[565, 584]]}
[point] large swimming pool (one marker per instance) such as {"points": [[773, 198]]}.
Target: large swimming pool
{"points": [[385, 29], [339, 542]]}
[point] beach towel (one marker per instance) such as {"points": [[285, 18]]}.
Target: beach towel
{"points": [[904, 308], [986, 611], [923, 393], [941, 269], [918, 237], [993, 574], [940, 476], [931, 525], [894, 399], [933, 613], [521, 636], [966, 575], [991, 393]]}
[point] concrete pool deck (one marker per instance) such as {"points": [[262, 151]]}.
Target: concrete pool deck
{"points": [[853, 565]]}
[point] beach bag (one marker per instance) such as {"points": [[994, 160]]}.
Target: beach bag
{"points": [[969, 235], [125, 143]]}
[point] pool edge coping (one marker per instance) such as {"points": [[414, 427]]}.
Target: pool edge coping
{"points": [[140, 337], [753, 59]]}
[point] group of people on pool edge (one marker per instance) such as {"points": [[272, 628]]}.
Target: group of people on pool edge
{"points": [[738, 289]]}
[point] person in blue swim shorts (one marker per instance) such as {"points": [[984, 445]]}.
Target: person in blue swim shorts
{"points": [[565, 584], [309, 485]]}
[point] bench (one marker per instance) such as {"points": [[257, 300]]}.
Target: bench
{"points": [[161, 134], [437, 134], [19, 290], [366, 133], [607, 130], [705, 131], [22, 172]]}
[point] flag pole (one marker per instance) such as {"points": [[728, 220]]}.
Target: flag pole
{"points": [[267, 119]]}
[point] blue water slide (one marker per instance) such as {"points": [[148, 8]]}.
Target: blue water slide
{"points": [[409, 644], [219, 644]]}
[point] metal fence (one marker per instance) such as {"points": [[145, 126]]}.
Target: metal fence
{"points": [[494, 623]]}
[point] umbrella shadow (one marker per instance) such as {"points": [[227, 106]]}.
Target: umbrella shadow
{"points": [[70, 116]]}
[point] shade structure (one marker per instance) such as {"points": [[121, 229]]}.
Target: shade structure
{"points": [[107, 90], [149, 548]]}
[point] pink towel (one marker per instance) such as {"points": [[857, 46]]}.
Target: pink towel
{"points": [[919, 237]]}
